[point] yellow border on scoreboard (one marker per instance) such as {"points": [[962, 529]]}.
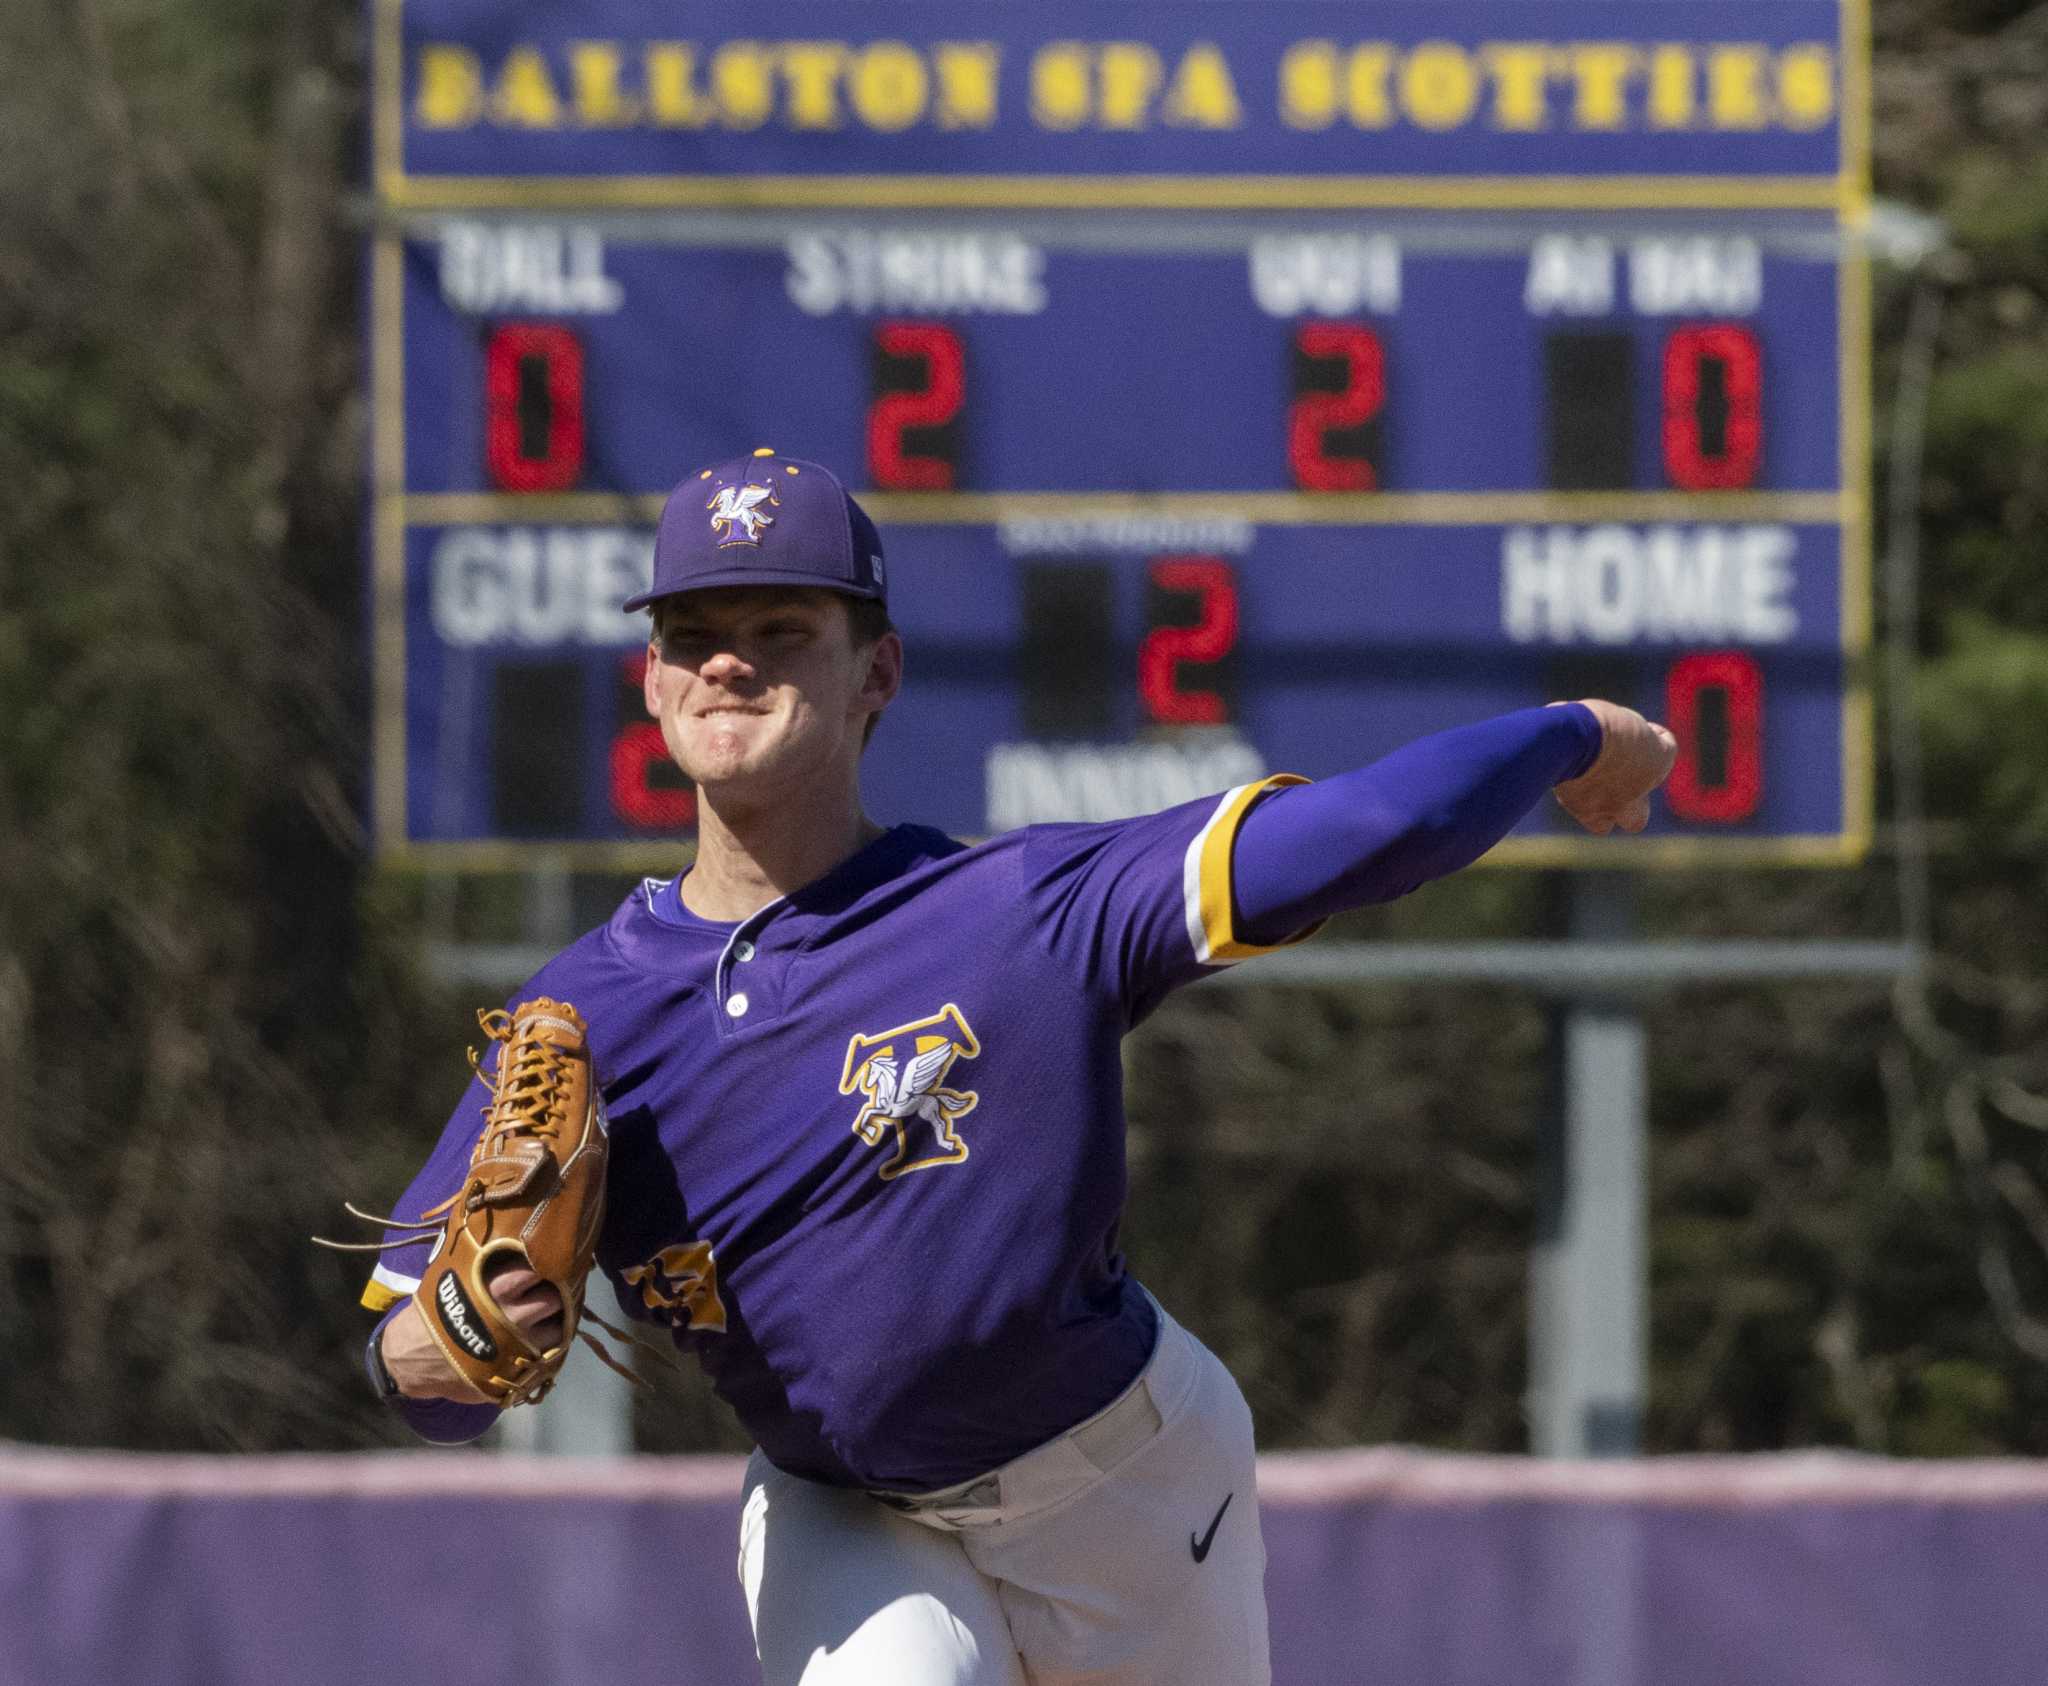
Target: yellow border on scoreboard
{"points": [[1854, 55], [1114, 193], [1852, 318], [1859, 734], [387, 79], [1847, 193], [1265, 509], [388, 527], [394, 511]]}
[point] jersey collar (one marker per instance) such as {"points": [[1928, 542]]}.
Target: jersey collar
{"points": [[871, 864]]}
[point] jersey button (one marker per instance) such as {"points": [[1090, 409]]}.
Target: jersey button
{"points": [[736, 1005], [743, 951]]}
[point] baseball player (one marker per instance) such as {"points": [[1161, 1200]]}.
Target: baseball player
{"points": [[867, 1129]]}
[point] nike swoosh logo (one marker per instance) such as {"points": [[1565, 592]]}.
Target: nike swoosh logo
{"points": [[1200, 1548]]}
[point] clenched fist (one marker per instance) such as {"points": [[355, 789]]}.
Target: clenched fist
{"points": [[1635, 758], [416, 1363]]}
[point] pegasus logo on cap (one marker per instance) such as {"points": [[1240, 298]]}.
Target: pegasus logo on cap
{"points": [[736, 514]]}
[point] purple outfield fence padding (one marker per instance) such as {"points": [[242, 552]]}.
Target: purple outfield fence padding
{"points": [[1387, 1569]]}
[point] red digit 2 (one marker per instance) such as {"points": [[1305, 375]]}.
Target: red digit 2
{"points": [[920, 382], [1332, 437], [1167, 649], [639, 765]]}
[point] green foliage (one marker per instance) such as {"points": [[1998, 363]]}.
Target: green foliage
{"points": [[1984, 701], [1957, 1409], [212, 1022], [1987, 481], [1999, 214], [1345, 1227], [202, 1015]]}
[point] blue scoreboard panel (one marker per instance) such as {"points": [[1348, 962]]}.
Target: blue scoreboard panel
{"points": [[1236, 392]]}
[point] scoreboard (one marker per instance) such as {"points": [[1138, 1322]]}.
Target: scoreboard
{"points": [[1235, 393]]}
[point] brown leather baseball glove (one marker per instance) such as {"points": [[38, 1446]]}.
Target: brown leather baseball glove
{"points": [[533, 1196]]}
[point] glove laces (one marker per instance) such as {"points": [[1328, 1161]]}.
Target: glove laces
{"points": [[526, 1097]]}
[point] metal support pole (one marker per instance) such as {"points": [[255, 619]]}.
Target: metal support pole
{"points": [[1586, 1302], [1586, 1291], [589, 1413]]}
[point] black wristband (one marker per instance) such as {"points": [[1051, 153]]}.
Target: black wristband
{"points": [[380, 1377]]}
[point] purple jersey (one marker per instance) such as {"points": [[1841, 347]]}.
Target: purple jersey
{"points": [[868, 1143]]}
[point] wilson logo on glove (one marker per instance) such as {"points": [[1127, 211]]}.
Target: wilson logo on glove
{"points": [[533, 1197], [455, 1319]]}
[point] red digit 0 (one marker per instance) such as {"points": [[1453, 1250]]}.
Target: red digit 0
{"points": [[1732, 461], [1210, 639], [1314, 416], [1730, 683], [533, 407], [933, 405]]}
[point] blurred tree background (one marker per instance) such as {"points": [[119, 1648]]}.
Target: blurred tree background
{"points": [[214, 1021]]}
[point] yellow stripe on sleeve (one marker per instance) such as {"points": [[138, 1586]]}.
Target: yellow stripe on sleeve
{"points": [[1206, 879], [378, 1298]]}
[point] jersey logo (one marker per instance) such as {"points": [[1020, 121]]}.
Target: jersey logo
{"points": [[680, 1285], [737, 516], [902, 1072]]}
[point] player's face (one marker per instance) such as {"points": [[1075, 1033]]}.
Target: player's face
{"points": [[755, 687]]}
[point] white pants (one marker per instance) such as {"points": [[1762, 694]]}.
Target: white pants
{"points": [[1075, 1565]]}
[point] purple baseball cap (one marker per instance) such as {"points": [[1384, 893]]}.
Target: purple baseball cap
{"points": [[764, 520]]}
